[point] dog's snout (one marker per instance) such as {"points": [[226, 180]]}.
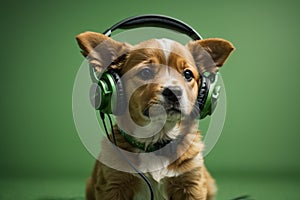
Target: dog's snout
{"points": [[173, 93]]}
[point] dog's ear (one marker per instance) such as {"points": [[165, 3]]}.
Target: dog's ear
{"points": [[210, 54], [100, 50]]}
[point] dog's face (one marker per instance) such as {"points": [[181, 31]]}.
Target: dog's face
{"points": [[161, 77], [168, 81]]}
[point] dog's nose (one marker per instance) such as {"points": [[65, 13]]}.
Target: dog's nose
{"points": [[172, 93]]}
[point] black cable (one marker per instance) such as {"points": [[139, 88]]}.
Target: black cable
{"points": [[112, 130], [102, 115]]}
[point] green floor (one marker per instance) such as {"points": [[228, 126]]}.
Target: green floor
{"points": [[264, 187]]}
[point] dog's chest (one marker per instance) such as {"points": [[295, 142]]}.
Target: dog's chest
{"points": [[157, 183], [158, 191]]}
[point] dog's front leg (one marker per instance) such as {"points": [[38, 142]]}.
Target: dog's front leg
{"points": [[190, 185], [116, 185]]}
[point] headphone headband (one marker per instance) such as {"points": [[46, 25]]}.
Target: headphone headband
{"points": [[159, 21]]}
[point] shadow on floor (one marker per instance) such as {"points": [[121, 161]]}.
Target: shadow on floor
{"points": [[61, 198]]}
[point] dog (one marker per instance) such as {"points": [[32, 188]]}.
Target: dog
{"points": [[163, 80]]}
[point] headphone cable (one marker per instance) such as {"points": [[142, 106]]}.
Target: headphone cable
{"points": [[114, 144], [112, 129]]}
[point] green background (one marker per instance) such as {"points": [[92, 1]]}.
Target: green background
{"points": [[42, 156]]}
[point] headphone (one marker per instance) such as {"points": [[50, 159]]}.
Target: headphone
{"points": [[107, 93]]}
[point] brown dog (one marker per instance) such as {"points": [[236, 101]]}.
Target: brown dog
{"points": [[162, 79]]}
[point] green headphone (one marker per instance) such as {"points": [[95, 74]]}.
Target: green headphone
{"points": [[107, 94]]}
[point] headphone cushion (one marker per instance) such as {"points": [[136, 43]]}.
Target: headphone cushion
{"points": [[202, 96], [120, 106]]}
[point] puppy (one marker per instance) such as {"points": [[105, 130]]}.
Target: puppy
{"points": [[158, 131]]}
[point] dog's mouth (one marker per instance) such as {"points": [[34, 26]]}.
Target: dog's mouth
{"points": [[170, 110]]}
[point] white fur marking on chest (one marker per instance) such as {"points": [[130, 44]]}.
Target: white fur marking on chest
{"points": [[158, 187], [160, 174], [166, 46]]}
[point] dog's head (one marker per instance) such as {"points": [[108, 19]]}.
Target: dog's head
{"points": [[161, 76]]}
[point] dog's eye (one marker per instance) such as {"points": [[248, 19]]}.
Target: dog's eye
{"points": [[188, 75], [146, 74]]}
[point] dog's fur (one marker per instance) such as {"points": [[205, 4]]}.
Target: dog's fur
{"points": [[186, 176]]}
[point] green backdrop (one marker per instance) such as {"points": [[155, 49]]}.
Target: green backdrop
{"points": [[41, 154]]}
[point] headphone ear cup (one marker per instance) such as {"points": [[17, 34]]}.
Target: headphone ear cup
{"points": [[201, 102], [119, 104], [208, 95], [96, 96]]}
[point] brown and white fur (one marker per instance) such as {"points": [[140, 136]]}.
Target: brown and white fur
{"points": [[186, 176]]}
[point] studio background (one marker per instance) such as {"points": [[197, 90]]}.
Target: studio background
{"points": [[42, 156]]}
